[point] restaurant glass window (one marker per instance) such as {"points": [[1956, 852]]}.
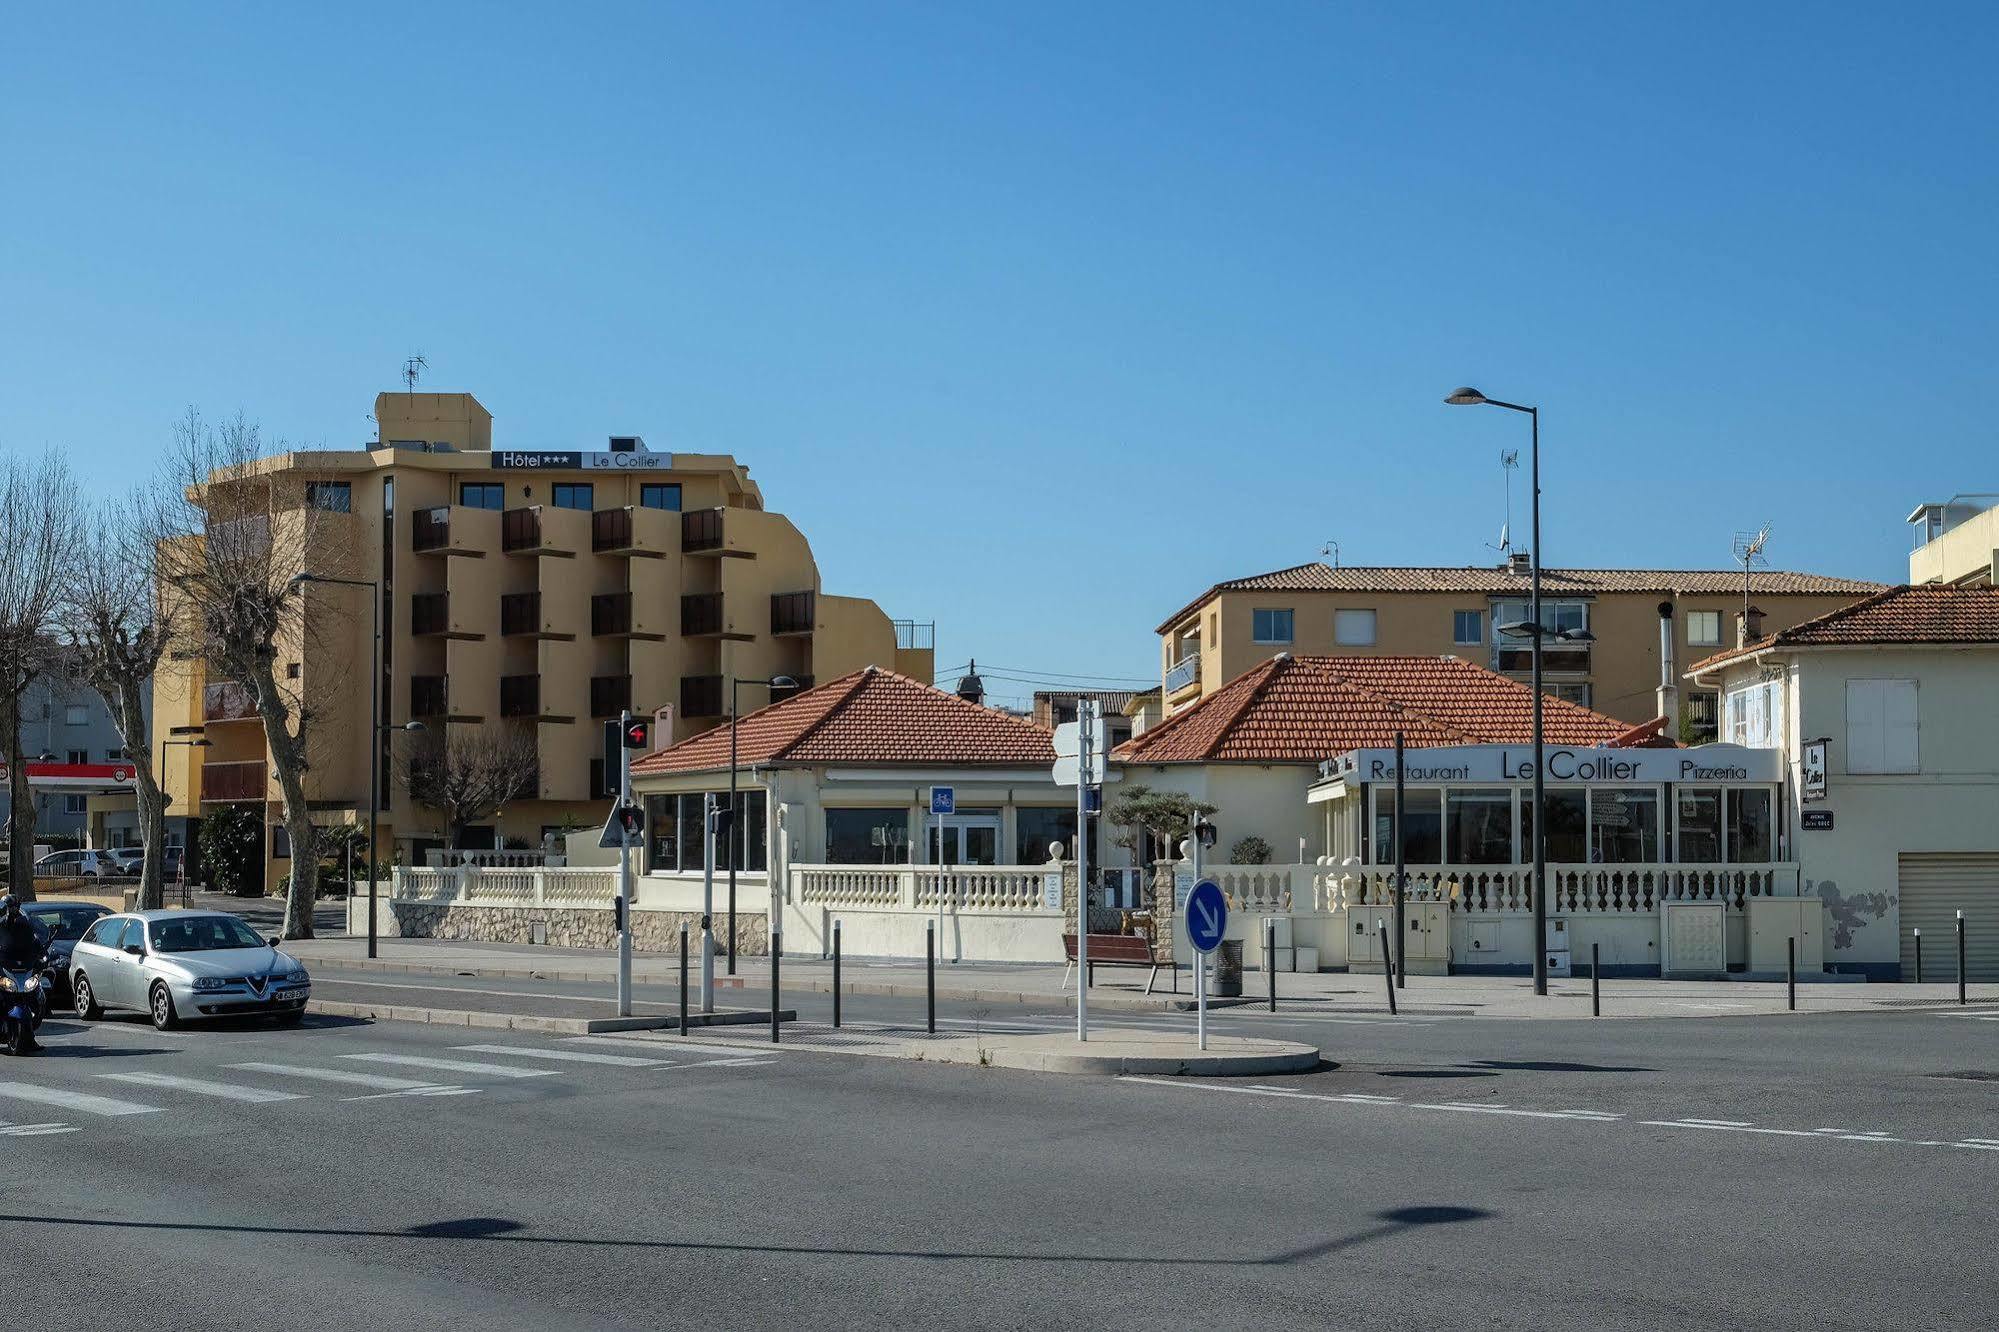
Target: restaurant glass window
{"points": [[867, 836], [1751, 825], [1478, 826], [1699, 820], [750, 834], [1035, 828], [1624, 825], [1422, 827], [1568, 827], [692, 836]]}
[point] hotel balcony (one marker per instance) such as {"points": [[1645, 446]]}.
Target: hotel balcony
{"points": [[430, 699], [1182, 675], [709, 532], [520, 696], [706, 615], [610, 695], [701, 696], [618, 615], [522, 616], [633, 531], [227, 701], [793, 612], [228, 783], [542, 529], [447, 529]]}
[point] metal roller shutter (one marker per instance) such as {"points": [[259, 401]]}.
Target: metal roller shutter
{"points": [[1935, 886]]}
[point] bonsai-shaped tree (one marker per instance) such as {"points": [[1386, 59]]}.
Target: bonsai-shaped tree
{"points": [[1250, 851], [1167, 815]]}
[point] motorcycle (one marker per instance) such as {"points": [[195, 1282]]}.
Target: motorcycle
{"points": [[24, 995]]}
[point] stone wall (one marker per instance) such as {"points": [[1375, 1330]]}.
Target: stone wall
{"points": [[1103, 919], [1160, 899], [571, 927]]}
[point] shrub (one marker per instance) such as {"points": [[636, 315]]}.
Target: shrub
{"points": [[1250, 851], [232, 848]]}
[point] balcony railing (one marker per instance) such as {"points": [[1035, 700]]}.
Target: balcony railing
{"points": [[427, 696], [915, 635], [520, 529], [520, 695], [610, 695], [223, 782], [701, 530], [430, 613], [611, 529], [1183, 674], [227, 700], [700, 695], [430, 529], [520, 613], [611, 613], [701, 614], [793, 612]]}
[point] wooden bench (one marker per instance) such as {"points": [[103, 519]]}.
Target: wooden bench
{"points": [[1112, 950]]}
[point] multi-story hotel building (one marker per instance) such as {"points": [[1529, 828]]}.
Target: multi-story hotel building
{"points": [[540, 589], [1318, 610], [1957, 542]]}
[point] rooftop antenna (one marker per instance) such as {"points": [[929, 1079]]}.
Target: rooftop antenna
{"points": [[1331, 548], [1509, 463], [1748, 548], [413, 370]]}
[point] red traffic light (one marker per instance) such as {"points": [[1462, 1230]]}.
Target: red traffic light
{"points": [[632, 819], [638, 733]]}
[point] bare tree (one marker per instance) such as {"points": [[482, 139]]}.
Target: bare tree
{"points": [[37, 525], [237, 525], [116, 635], [471, 773]]}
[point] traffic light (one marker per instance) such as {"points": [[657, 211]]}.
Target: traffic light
{"points": [[719, 819], [638, 733], [632, 820]]}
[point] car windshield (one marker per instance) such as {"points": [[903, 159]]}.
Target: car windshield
{"points": [[201, 933], [66, 924]]}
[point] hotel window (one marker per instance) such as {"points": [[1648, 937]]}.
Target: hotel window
{"points": [[1754, 715], [1624, 825], [1568, 827], [332, 496], [1422, 827], [659, 495], [1270, 626], [1353, 628], [1467, 627], [867, 836], [76, 714], [1881, 726], [1478, 826], [1704, 628], [481, 495], [571, 495]]}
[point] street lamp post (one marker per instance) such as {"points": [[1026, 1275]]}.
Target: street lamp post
{"points": [[738, 839]]}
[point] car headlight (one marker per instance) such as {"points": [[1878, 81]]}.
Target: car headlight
{"points": [[7, 982], [209, 983], [34, 982], [297, 977]]}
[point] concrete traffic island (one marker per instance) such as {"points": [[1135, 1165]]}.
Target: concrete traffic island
{"points": [[1122, 1052]]}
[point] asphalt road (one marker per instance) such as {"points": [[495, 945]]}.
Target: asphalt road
{"points": [[1443, 1173]]}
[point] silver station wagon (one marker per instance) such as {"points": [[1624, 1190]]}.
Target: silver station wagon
{"points": [[177, 965]]}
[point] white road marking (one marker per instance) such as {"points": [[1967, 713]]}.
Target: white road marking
{"points": [[36, 1130], [1715, 1123], [454, 1065], [567, 1056], [352, 1079], [1726, 1128], [228, 1091], [73, 1100], [681, 1046]]}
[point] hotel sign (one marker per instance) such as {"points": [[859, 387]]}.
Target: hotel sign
{"points": [[572, 460], [1456, 764]]}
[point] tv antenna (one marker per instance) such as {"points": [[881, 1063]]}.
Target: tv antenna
{"points": [[1748, 547], [413, 370], [1331, 549], [1509, 463]]}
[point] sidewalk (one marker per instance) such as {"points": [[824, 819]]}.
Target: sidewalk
{"points": [[1122, 989]]}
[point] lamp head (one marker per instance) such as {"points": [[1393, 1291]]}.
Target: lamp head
{"points": [[1520, 629], [1464, 397], [1578, 636], [783, 682]]}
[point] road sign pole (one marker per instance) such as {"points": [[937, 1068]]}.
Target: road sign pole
{"points": [[624, 873], [1201, 999], [1084, 720], [708, 903]]}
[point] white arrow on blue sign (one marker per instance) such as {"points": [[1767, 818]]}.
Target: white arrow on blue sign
{"points": [[1207, 916]]}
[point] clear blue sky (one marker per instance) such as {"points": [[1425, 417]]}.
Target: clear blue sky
{"points": [[1039, 318]]}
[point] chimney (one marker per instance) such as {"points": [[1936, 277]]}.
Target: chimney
{"points": [[1669, 680], [1519, 562], [1748, 625]]}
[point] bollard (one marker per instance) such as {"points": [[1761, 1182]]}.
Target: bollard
{"points": [[930, 972], [1960, 959], [776, 957], [836, 973], [1918, 932], [1595, 983], [1270, 960], [1387, 972], [1791, 973], [683, 978]]}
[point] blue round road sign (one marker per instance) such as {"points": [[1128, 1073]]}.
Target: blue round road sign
{"points": [[1207, 916]]}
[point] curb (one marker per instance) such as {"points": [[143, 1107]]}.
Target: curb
{"points": [[552, 1026]]}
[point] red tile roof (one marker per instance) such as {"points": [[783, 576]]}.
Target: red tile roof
{"points": [[871, 717], [1558, 582], [1305, 709], [1906, 616]]}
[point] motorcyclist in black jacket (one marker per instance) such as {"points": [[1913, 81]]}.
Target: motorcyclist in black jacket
{"points": [[21, 946]]}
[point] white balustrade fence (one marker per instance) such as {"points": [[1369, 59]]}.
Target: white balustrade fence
{"points": [[495, 859], [965, 888], [475, 885]]}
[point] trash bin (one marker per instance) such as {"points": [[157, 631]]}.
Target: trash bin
{"points": [[1225, 970]]}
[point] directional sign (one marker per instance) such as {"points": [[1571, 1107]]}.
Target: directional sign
{"points": [[943, 800], [1207, 916]]}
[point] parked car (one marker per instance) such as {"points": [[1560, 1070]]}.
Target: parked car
{"points": [[61, 924], [95, 864], [181, 965], [128, 859]]}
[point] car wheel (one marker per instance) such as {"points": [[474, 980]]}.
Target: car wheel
{"points": [[84, 998], [162, 1006]]}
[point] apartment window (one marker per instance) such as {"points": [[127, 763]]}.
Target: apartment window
{"points": [[1881, 726], [1754, 715], [660, 495], [76, 714], [79, 756], [332, 496], [481, 495], [116, 755], [76, 804], [1353, 628], [1703, 714], [1270, 626], [1467, 627], [572, 495], [291, 670], [1704, 628], [1569, 691]]}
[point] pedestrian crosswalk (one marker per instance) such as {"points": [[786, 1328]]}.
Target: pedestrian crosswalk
{"points": [[65, 1096]]}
